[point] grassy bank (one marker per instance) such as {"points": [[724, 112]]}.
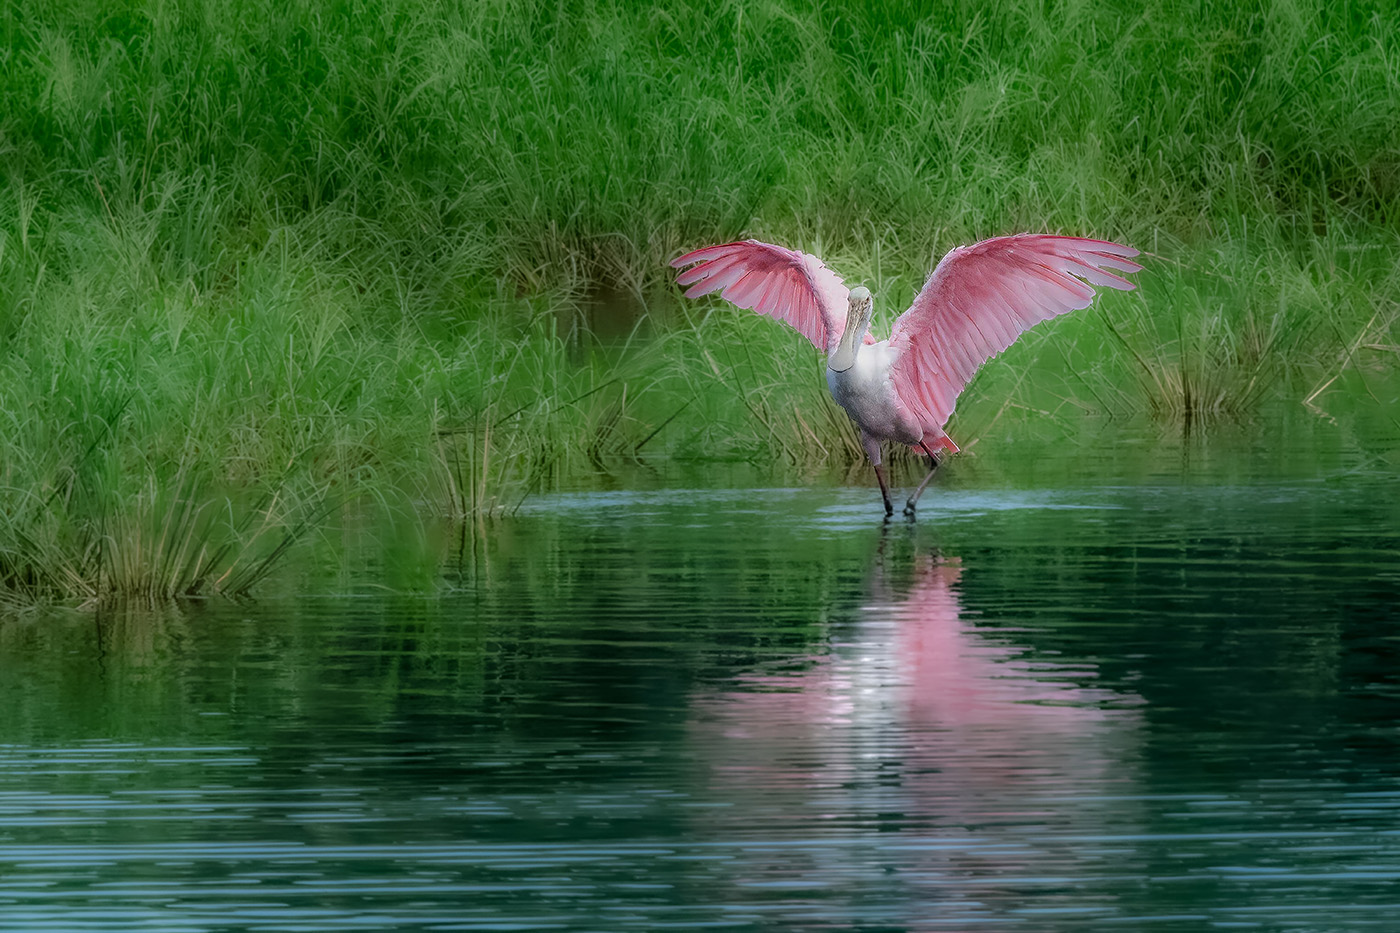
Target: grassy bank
{"points": [[259, 260]]}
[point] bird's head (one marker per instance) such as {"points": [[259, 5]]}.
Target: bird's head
{"points": [[862, 306], [860, 312]]}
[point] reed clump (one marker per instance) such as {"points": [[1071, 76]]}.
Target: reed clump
{"points": [[162, 440]]}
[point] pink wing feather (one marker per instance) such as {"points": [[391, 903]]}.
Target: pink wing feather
{"points": [[784, 284], [979, 299]]}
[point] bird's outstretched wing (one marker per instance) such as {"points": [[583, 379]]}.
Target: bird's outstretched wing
{"points": [[784, 284], [980, 298]]}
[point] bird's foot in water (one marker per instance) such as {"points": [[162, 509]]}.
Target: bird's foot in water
{"points": [[909, 508]]}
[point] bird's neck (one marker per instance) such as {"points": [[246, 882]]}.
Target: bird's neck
{"points": [[844, 356]]}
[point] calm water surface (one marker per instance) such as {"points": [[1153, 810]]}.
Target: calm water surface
{"points": [[1156, 705]]}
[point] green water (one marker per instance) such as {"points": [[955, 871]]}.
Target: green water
{"points": [[1070, 695]]}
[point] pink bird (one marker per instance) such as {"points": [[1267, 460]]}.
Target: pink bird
{"points": [[977, 302]]}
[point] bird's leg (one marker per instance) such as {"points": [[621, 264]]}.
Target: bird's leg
{"points": [[872, 450], [884, 489], [932, 466]]}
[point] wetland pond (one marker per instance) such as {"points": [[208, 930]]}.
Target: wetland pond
{"points": [[1079, 700]]}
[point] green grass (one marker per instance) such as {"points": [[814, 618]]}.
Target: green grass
{"points": [[158, 441], [542, 147], [261, 260]]}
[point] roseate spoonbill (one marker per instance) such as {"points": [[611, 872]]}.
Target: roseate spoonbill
{"points": [[977, 302]]}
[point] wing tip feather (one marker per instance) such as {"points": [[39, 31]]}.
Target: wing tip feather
{"points": [[720, 250]]}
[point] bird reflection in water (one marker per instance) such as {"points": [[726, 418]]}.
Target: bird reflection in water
{"points": [[921, 722]]}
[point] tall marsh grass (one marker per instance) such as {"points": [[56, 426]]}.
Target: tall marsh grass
{"points": [[541, 146], [162, 440], [296, 253]]}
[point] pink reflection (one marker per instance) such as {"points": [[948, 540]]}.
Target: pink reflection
{"points": [[951, 674], [927, 716]]}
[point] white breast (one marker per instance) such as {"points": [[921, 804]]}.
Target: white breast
{"points": [[867, 394]]}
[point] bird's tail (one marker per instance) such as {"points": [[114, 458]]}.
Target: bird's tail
{"points": [[934, 441]]}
